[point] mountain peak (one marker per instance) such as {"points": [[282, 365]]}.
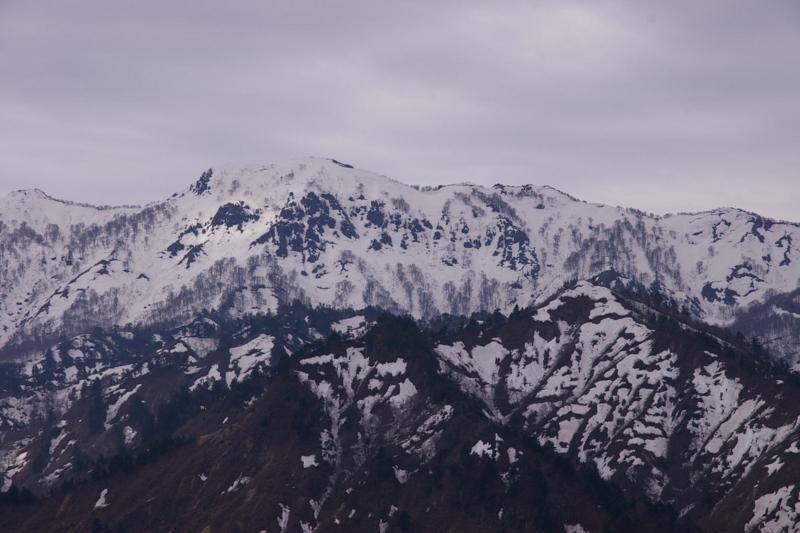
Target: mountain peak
{"points": [[28, 194]]}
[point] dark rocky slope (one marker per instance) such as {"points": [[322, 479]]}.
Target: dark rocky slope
{"points": [[481, 427]]}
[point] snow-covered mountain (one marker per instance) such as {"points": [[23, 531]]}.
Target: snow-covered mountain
{"points": [[247, 239]]}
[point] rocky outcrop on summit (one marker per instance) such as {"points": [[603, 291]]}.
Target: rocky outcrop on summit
{"points": [[248, 239]]}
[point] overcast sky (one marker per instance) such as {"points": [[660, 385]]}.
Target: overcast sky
{"points": [[665, 106]]}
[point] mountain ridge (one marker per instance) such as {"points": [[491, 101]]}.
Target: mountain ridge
{"points": [[328, 234]]}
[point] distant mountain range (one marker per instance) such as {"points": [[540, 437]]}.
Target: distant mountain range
{"points": [[311, 347], [248, 239]]}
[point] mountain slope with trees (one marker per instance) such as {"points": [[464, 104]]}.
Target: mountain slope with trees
{"points": [[498, 423]]}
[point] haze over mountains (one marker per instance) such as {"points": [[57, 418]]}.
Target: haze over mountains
{"points": [[225, 350]]}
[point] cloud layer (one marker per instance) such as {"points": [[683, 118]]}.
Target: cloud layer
{"points": [[663, 106]]}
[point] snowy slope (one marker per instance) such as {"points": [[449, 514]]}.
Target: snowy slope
{"points": [[666, 411], [245, 239]]}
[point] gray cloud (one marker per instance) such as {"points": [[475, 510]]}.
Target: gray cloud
{"points": [[663, 106]]}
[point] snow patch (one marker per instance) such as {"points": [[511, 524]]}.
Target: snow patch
{"points": [[129, 433], [401, 475], [101, 502], [240, 482], [773, 513], [247, 356], [212, 375], [483, 449], [405, 392], [56, 441], [113, 409], [576, 528], [283, 520], [355, 326], [201, 346], [391, 369], [512, 455], [774, 466]]}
